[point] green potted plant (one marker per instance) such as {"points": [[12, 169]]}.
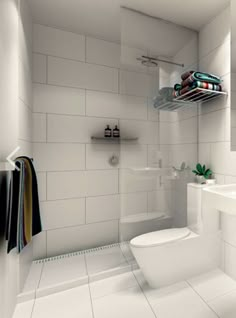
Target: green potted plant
{"points": [[202, 173]]}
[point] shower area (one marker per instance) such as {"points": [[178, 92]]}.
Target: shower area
{"points": [[97, 193], [155, 170]]}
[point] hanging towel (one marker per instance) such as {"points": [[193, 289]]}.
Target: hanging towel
{"points": [[24, 214], [12, 217]]}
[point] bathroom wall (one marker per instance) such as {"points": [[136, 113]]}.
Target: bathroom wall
{"points": [[214, 123], [15, 126]]}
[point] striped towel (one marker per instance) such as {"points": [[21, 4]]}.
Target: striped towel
{"points": [[24, 215], [197, 84], [202, 77]]}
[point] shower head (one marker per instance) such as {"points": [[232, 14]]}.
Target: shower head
{"points": [[148, 61], [153, 61]]}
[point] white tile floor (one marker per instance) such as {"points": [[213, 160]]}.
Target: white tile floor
{"points": [[126, 294]]}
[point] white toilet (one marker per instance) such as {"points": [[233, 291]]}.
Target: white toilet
{"points": [[168, 256]]}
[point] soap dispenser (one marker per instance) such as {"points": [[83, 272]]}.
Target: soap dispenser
{"points": [[107, 132], [116, 132]]}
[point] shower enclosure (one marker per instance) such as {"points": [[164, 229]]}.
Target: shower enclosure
{"points": [[154, 170]]}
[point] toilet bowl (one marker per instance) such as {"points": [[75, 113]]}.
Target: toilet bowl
{"points": [[171, 255]]}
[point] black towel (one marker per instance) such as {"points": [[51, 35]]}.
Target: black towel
{"points": [[13, 226]]}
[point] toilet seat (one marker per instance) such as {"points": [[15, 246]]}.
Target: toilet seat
{"points": [[160, 237]]}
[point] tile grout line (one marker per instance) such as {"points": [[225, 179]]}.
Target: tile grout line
{"points": [[202, 298], [126, 260], [32, 311], [40, 277], [90, 295], [144, 295], [35, 293]]}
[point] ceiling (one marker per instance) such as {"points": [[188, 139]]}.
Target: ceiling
{"points": [[101, 18]]}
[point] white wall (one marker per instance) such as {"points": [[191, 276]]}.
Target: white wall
{"points": [[15, 117], [214, 123]]}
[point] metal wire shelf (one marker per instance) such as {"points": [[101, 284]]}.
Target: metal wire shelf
{"points": [[195, 96]]}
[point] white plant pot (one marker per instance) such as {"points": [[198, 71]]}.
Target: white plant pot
{"points": [[200, 179]]}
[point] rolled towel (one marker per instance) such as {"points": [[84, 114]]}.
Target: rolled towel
{"points": [[165, 95], [178, 87], [197, 84], [203, 77], [213, 87], [185, 75], [166, 92]]}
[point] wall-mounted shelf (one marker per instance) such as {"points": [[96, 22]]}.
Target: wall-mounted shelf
{"points": [[195, 96], [112, 139], [151, 171]]}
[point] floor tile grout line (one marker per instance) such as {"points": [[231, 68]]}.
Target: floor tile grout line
{"points": [[115, 292], [32, 311], [39, 281], [90, 295], [216, 297], [144, 295], [125, 258], [202, 299]]}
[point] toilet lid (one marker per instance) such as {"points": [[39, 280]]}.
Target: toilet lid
{"points": [[160, 237]]}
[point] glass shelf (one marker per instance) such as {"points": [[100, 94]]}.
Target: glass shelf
{"points": [[114, 139]]}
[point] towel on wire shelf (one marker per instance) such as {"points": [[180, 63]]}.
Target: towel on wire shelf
{"points": [[202, 77], [165, 95], [197, 84], [24, 219]]}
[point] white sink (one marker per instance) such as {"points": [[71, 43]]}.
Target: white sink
{"points": [[221, 198]]}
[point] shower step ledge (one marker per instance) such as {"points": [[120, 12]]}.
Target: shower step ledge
{"points": [[82, 280], [56, 288]]}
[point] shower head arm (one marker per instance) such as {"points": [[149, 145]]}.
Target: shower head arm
{"points": [[161, 60]]}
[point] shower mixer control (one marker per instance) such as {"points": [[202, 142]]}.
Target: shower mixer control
{"points": [[114, 160]]}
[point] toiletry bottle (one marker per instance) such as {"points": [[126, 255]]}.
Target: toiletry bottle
{"points": [[107, 132], [116, 132]]}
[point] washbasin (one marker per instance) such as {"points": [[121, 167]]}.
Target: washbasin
{"points": [[221, 198]]}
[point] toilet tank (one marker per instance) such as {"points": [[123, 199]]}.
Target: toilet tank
{"points": [[194, 206], [199, 218]]}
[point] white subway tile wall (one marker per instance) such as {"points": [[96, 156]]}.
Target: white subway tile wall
{"points": [[79, 88]]}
